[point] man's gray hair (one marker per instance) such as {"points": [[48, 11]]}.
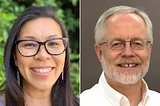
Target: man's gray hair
{"points": [[99, 29]]}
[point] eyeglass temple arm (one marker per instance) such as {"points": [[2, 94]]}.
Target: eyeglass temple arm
{"points": [[102, 43]]}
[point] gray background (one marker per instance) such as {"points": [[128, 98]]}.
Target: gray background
{"points": [[90, 65]]}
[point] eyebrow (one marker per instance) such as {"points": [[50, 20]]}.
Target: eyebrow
{"points": [[117, 39], [53, 36], [29, 37], [32, 37], [124, 39]]}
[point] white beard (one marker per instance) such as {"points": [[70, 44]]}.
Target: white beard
{"points": [[124, 77]]}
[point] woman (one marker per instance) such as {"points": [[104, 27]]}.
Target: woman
{"points": [[37, 61]]}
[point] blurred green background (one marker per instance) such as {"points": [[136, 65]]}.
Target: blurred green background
{"points": [[67, 12]]}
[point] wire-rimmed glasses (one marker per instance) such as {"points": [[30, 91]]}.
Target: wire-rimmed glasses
{"points": [[53, 46], [118, 44]]}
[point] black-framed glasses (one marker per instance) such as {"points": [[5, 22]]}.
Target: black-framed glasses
{"points": [[118, 44], [53, 46]]}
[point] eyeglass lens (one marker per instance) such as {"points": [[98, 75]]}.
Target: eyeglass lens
{"points": [[31, 47], [116, 44]]}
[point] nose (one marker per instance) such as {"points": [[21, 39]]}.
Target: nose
{"points": [[128, 50], [42, 54]]}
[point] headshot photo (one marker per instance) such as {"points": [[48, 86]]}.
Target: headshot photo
{"points": [[119, 53], [39, 53]]}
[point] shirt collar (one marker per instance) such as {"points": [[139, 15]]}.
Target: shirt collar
{"points": [[145, 95], [114, 97]]}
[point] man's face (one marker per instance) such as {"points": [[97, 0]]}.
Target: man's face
{"points": [[128, 65]]}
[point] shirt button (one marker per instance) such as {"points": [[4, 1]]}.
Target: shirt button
{"points": [[124, 101]]}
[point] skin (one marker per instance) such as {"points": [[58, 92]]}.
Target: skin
{"points": [[127, 27], [37, 86]]}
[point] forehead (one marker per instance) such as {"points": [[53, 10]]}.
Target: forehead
{"points": [[117, 16], [128, 24], [40, 27]]}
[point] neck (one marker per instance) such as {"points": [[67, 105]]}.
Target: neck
{"points": [[133, 91], [35, 97]]}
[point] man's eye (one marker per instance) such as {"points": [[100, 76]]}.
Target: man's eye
{"points": [[137, 44], [117, 44]]}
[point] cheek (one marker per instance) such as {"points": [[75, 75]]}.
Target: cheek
{"points": [[144, 56], [23, 66], [23, 63], [60, 60], [110, 56], [20, 60]]}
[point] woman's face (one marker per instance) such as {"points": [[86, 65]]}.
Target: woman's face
{"points": [[42, 70]]}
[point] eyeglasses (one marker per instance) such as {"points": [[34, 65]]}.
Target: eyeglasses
{"points": [[54, 46], [118, 44]]}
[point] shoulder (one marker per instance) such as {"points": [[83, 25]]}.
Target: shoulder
{"points": [[89, 97], [154, 94], [2, 99], [1, 103], [76, 100], [154, 97], [90, 92]]}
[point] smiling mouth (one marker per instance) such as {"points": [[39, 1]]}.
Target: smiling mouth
{"points": [[42, 70], [127, 65]]}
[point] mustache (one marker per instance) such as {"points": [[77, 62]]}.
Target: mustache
{"points": [[127, 60]]}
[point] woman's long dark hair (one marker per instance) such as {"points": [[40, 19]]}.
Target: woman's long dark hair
{"points": [[61, 94]]}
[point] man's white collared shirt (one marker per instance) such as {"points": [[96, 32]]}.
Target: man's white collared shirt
{"points": [[102, 94]]}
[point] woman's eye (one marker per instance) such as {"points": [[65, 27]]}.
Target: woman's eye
{"points": [[29, 45], [52, 44]]}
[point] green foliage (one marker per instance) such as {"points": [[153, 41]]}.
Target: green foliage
{"points": [[75, 72], [67, 12]]}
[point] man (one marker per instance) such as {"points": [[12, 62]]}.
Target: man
{"points": [[124, 41]]}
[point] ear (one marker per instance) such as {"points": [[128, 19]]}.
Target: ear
{"points": [[150, 49], [98, 52], [15, 58]]}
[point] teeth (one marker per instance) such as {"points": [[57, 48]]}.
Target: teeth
{"points": [[44, 70], [124, 65], [128, 65], [132, 65]]}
